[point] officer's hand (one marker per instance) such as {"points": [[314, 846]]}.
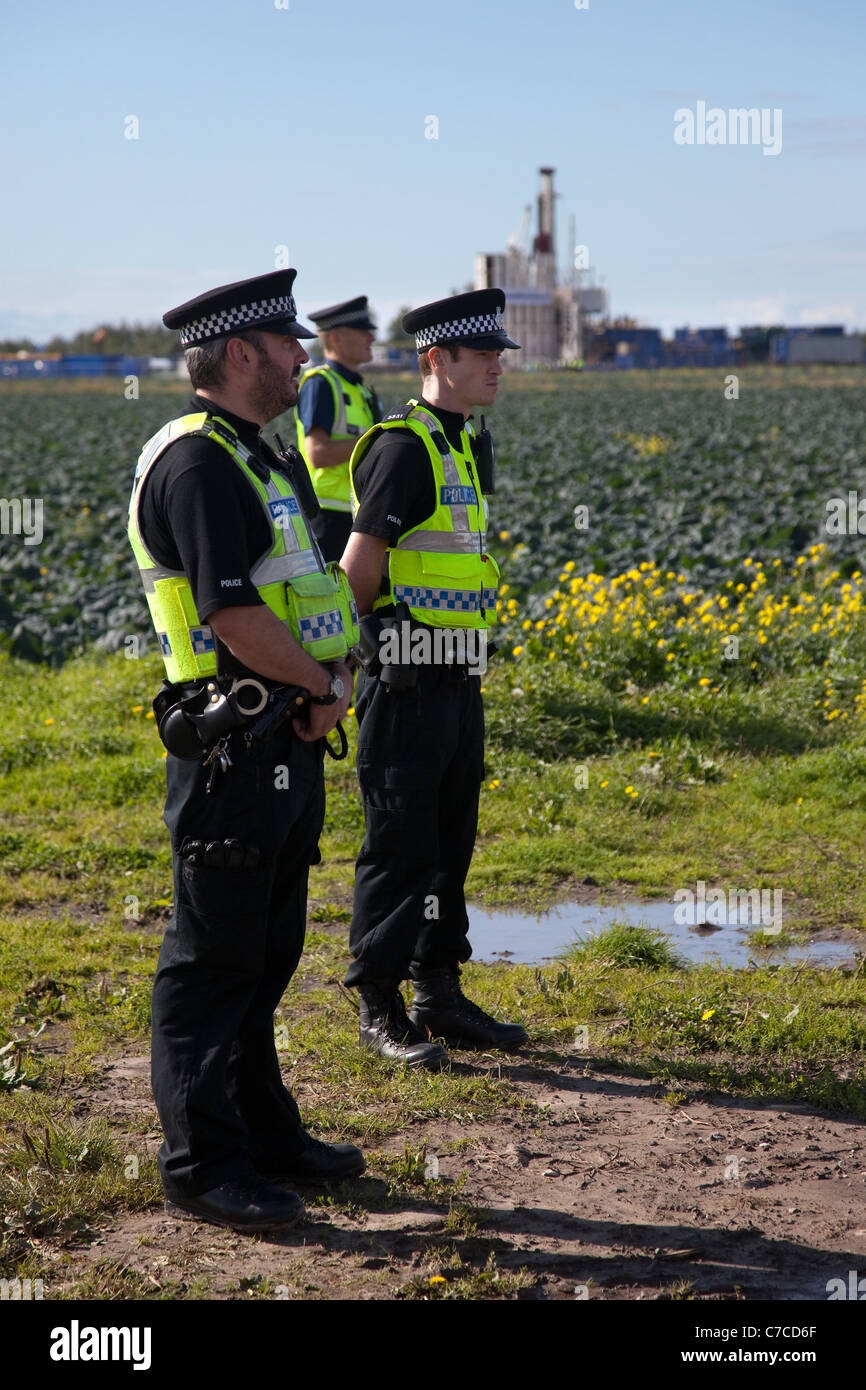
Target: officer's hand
{"points": [[319, 720]]}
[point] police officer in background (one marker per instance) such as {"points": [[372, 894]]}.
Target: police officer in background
{"points": [[220, 539], [335, 408], [420, 522]]}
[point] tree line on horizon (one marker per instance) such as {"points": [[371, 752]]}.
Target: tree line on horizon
{"points": [[145, 340], [154, 340]]}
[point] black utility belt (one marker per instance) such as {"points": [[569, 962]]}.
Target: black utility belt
{"points": [[252, 692], [194, 715], [392, 651]]}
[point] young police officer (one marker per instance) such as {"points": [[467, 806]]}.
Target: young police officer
{"points": [[335, 408], [244, 610], [417, 552]]}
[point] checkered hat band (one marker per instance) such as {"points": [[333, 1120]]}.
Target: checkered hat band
{"points": [[280, 306], [320, 626], [474, 327]]}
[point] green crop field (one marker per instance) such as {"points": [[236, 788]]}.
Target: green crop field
{"points": [[666, 467]]}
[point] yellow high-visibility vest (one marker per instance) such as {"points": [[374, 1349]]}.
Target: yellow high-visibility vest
{"points": [[315, 605], [353, 416], [440, 568]]}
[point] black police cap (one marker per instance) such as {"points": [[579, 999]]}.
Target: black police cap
{"points": [[352, 313], [472, 320], [265, 302]]}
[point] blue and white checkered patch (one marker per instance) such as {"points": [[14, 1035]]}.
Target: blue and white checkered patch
{"points": [[321, 625], [445, 600], [202, 640], [455, 496], [164, 644], [488, 598], [282, 510]]}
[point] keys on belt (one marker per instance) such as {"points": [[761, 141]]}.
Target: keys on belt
{"points": [[217, 760]]}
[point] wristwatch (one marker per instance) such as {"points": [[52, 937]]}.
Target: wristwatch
{"points": [[334, 694]]}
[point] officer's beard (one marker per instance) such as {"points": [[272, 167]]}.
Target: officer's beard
{"points": [[274, 390]]}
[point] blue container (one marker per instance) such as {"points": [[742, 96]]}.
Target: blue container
{"points": [[28, 370]]}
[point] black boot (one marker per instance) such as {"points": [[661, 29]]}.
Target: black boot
{"points": [[243, 1204], [316, 1162], [386, 1029], [442, 1010]]}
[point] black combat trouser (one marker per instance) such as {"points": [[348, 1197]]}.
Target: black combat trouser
{"points": [[420, 765], [332, 529], [233, 944]]}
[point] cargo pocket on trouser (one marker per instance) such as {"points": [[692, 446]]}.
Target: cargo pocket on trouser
{"points": [[222, 917], [401, 813]]}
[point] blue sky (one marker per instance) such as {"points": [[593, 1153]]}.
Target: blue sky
{"points": [[305, 126]]}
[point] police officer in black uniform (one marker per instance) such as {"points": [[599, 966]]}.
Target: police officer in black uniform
{"points": [[336, 407], [244, 809], [421, 741]]}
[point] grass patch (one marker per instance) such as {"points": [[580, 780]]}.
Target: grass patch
{"points": [[456, 1279], [57, 1175], [625, 944], [408, 1169], [111, 1282]]}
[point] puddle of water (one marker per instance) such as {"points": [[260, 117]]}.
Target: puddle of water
{"points": [[525, 938]]}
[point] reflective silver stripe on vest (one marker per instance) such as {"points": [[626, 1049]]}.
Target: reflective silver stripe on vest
{"points": [[155, 572], [459, 513], [275, 494], [275, 568], [156, 444], [334, 504], [448, 542]]}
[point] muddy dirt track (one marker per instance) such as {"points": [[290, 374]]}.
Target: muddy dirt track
{"points": [[606, 1191]]}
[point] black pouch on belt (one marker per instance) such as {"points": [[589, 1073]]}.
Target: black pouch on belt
{"points": [[190, 725], [370, 628], [399, 675]]}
